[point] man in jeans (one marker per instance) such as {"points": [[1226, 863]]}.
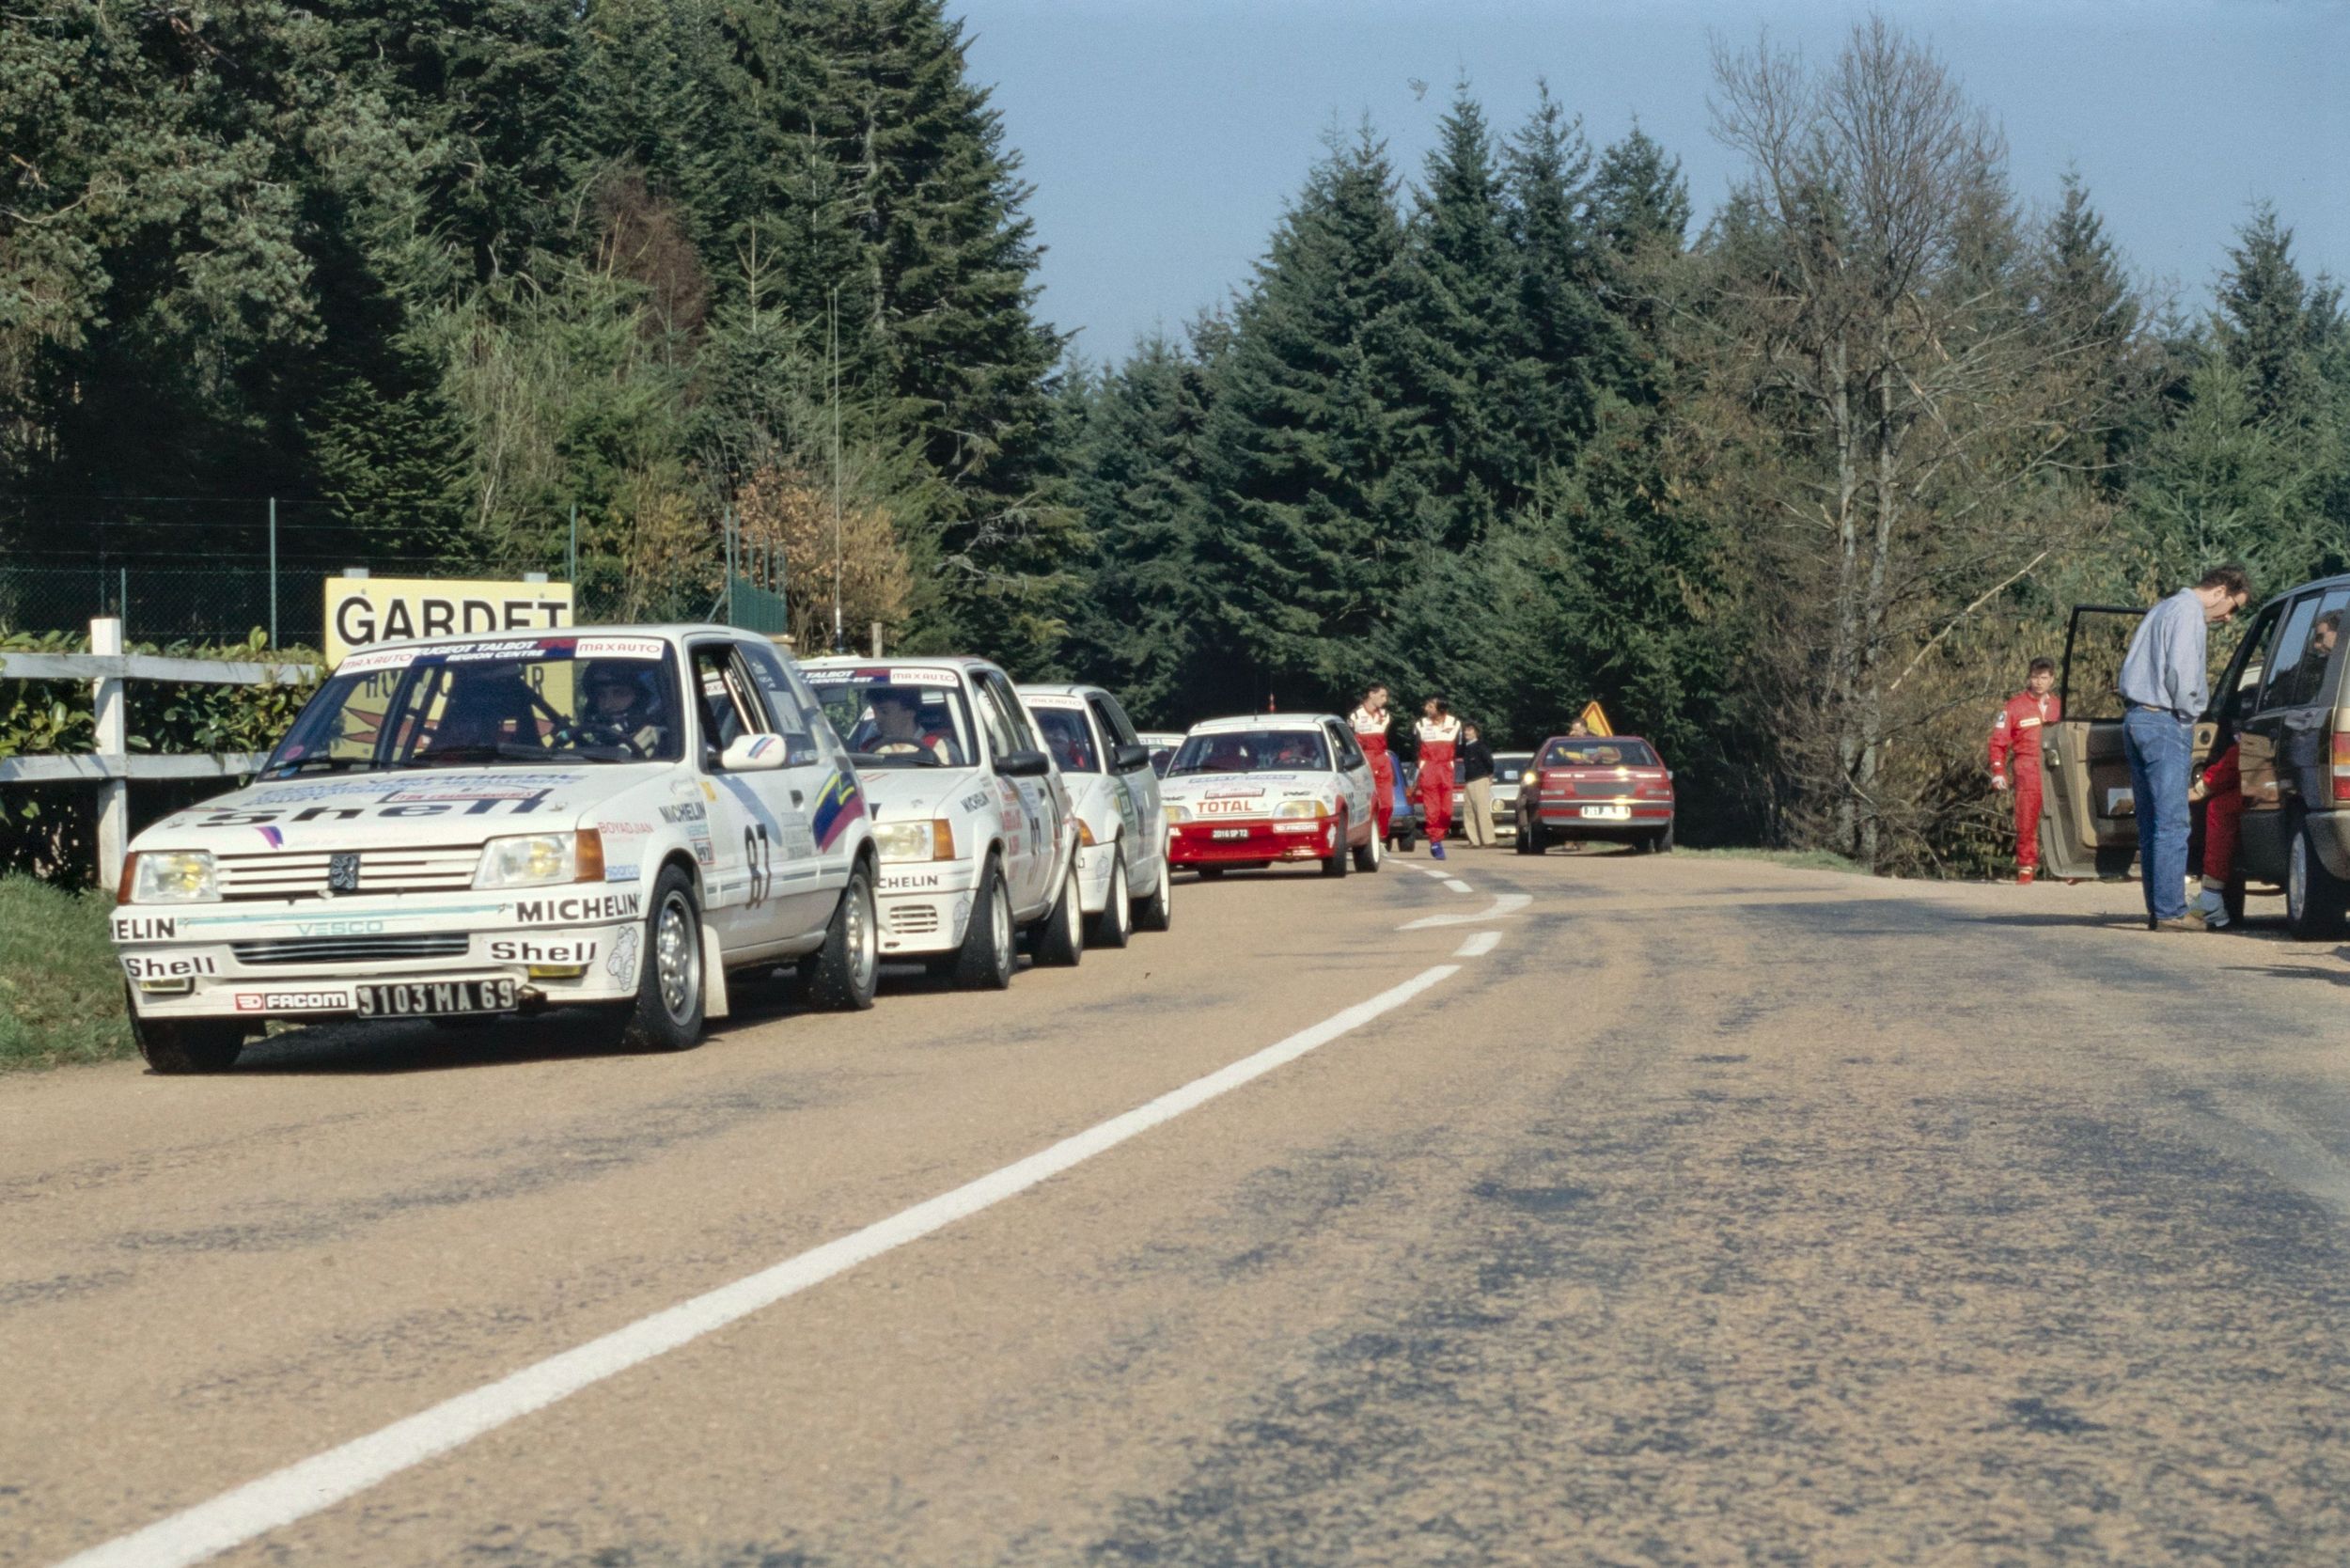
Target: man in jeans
{"points": [[2164, 692]]}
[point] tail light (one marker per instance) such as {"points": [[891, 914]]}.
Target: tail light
{"points": [[2341, 765]]}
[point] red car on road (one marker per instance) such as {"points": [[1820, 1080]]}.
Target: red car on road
{"points": [[1606, 787]]}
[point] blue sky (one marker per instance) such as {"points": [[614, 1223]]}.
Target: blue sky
{"points": [[1165, 136]]}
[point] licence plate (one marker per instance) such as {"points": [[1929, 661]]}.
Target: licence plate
{"points": [[1608, 813], [1231, 833], [435, 999]]}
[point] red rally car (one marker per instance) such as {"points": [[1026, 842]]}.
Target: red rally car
{"points": [[1609, 787]]}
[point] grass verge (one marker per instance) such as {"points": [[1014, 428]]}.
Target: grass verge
{"points": [[60, 988], [1802, 860]]}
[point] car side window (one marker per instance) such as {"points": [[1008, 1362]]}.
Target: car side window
{"points": [[1001, 736], [793, 715], [1350, 754], [2304, 651], [2242, 698], [2277, 681], [723, 691], [1112, 718], [1014, 715]]}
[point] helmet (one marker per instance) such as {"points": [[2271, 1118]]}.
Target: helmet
{"points": [[603, 674]]}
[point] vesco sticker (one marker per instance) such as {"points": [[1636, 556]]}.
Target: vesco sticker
{"points": [[294, 1001]]}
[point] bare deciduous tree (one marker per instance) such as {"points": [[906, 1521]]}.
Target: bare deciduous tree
{"points": [[1895, 410]]}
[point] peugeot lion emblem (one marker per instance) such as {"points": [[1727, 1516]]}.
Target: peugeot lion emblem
{"points": [[342, 873]]}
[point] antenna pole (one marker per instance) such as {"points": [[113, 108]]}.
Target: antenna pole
{"points": [[839, 641]]}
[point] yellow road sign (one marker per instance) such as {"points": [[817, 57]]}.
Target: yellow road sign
{"points": [[1595, 719]]}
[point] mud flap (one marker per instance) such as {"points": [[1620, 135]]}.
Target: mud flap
{"points": [[713, 976]]}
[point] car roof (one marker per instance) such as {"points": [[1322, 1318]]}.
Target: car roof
{"points": [[1059, 688], [894, 661], [1595, 739], [1240, 723], [666, 631], [2313, 586]]}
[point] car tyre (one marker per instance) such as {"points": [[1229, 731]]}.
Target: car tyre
{"points": [[1662, 843], [1368, 857], [1157, 912], [182, 1045], [984, 963], [667, 1014], [843, 975], [1060, 941], [1117, 920], [2315, 898], [1341, 860]]}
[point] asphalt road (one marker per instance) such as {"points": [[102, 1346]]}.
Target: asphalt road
{"points": [[1706, 1213]]}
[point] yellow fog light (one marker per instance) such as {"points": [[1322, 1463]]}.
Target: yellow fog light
{"points": [[557, 971]]}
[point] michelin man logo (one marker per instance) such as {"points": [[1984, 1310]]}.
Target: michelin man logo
{"points": [[621, 965]]}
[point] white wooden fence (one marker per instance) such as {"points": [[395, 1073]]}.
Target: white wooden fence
{"points": [[112, 766]]}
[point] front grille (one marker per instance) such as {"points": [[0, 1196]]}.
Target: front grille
{"points": [[302, 874], [918, 919], [350, 950]]}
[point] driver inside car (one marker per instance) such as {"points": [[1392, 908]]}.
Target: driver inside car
{"points": [[621, 711], [898, 727]]}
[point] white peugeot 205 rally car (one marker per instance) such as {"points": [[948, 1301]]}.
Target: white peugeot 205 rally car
{"points": [[479, 826], [1122, 830], [977, 837], [1263, 787]]}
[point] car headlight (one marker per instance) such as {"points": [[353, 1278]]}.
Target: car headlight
{"points": [[934, 840], [1301, 809], [1176, 813], [541, 859], [172, 876]]}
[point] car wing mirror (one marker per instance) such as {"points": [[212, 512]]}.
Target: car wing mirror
{"points": [[1024, 764], [1127, 758], [755, 754]]}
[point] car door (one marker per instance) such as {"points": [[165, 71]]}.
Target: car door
{"points": [[765, 856], [1138, 792], [2286, 736], [1044, 802], [1019, 823], [1354, 778], [810, 783]]}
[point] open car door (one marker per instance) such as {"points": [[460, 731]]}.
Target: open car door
{"points": [[2090, 828]]}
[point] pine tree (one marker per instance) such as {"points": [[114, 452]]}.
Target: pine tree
{"points": [[1457, 332], [1639, 197], [1314, 521], [2273, 324], [1564, 344]]}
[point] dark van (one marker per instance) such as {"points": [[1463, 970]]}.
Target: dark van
{"points": [[2280, 696]]}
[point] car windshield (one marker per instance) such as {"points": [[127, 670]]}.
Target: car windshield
{"points": [[899, 718], [1068, 737], [1611, 753], [577, 699], [1253, 751]]}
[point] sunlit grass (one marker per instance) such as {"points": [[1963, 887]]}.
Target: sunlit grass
{"points": [[60, 988]]}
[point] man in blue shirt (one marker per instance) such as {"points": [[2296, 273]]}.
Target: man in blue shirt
{"points": [[2165, 689]]}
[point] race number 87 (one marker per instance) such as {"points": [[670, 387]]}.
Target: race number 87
{"points": [[761, 856]]}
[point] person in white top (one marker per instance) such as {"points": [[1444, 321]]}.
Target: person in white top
{"points": [[1438, 733], [1370, 722]]}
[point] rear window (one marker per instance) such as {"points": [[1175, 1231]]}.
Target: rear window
{"points": [[1608, 753], [1068, 737], [1509, 770]]}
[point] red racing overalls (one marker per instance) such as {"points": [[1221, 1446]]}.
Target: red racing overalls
{"points": [[2223, 821], [1370, 733], [2015, 758], [1436, 775]]}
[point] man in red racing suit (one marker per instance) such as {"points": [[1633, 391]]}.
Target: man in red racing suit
{"points": [[1370, 732], [2015, 759], [1438, 733]]}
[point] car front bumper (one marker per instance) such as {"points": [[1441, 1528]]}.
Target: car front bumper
{"points": [[256, 961], [1224, 843], [923, 907]]}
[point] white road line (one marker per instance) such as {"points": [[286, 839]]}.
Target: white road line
{"points": [[1478, 944], [1426, 870], [319, 1483], [1456, 885], [1504, 904]]}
